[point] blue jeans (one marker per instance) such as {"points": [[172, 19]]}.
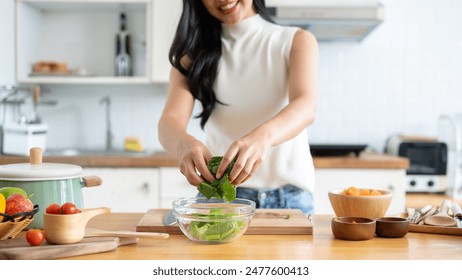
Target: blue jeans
{"points": [[285, 197]]}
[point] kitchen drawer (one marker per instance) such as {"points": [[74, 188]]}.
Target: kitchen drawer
{"points": [[123, 189]]}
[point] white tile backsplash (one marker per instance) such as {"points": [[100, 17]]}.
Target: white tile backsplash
{"points": [[397, 80]]}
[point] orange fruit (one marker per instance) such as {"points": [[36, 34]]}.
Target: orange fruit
{"points": [[375, 192], [364, 192], [352, 191]]}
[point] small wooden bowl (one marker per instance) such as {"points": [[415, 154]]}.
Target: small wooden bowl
{"points": [[353, 228], [68, 229], [370, 206], [392, 227]]}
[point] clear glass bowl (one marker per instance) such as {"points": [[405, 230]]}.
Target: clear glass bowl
{"points": [[213, 221]]}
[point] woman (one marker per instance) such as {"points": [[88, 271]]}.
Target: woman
{"points": [[256, 82]]}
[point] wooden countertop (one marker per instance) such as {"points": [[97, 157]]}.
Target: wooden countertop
{"points": [[319, 246], [365, 160], [162, 159]]}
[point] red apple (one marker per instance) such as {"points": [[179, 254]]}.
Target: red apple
{"points": [[17, 203]]}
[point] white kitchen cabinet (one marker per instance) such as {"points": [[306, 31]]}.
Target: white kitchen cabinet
{"points": [[173, 185], [123, 189], [81, 33], [328, 179], [166, 14]]}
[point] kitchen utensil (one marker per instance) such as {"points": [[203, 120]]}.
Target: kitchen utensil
{"points": [[420, 213], [67, 229], [353, 228], [367, 206], [392, 227], [264, 222], [441, 218], [47, 183], [213, 221], [457, 212], [430, 212], [411, 213], [169, 219], [90, 232], [19, 249], [319, 150]]}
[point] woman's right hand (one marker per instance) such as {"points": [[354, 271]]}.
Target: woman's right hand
{"points": [[193, 157]]}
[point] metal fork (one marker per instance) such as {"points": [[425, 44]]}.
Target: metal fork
{"points": [[416, 217]]}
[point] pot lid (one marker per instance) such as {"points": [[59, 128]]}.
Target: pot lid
{"points": [[38, 171]]}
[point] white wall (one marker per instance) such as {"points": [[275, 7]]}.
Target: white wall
{"points": [[398, 80]]}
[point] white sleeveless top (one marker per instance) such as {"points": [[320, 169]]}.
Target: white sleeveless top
{"points": [[253, 81]]}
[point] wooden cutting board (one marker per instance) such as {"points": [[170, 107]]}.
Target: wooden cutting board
{"points": [[19, 249], [265, 221]]}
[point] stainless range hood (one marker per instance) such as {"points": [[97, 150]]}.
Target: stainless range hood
{"points": [[330, 20]]}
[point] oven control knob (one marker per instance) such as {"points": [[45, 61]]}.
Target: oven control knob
{"points": [[412, 183], [430, 183]]}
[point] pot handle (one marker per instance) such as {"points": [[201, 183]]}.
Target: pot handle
{"points": [[91, 181]]}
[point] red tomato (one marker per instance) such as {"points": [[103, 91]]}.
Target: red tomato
{"points": [[53, 208], [35, 237], [69, 208]]}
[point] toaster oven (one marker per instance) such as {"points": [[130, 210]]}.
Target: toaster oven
{"points": [[428, 163]]}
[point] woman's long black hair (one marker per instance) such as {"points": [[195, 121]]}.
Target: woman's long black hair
{"points": [[198, 37]]}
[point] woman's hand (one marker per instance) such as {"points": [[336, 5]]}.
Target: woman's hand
{"points": [[193, 157], [249, 153]]}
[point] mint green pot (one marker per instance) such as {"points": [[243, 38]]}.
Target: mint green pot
{"points": [[47, 183]]}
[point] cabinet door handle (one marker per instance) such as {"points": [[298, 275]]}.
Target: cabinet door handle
{"points": [[145, 187]]}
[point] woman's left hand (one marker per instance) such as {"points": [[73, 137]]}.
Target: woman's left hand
{"points": [[249, 153]]}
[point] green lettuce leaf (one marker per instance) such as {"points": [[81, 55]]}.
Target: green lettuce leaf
{"points": [[219, 188]]}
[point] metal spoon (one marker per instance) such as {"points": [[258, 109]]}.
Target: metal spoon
{"points": [[441, 218]]}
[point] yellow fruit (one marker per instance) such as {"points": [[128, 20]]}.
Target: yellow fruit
{"points": [[2, 205]]}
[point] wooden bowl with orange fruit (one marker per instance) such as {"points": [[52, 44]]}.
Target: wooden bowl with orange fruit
{"points": [[360, 202]]}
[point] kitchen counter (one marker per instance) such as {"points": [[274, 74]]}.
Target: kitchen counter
{"points": [[319, 246], [162, 159]]}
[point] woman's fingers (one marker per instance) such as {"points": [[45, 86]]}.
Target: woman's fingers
{"points": [[189, 171], [226, 161], [245, 172], [201, 167], [195, 171]]}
